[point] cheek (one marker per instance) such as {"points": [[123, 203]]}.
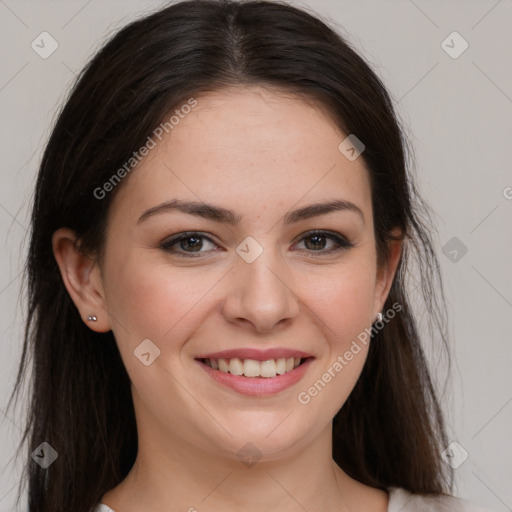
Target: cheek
{"points": [[154, 299], [342, 298], [344, 307], [156, 303]]}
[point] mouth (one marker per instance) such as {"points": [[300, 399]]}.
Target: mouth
{"points": [[252, 368], [255, 377]]}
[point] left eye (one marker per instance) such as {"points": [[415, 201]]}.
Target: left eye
{"points": [[319, 238], [190, 243]]}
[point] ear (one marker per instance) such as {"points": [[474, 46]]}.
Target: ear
{"points": [[82, 279], [386, 273]]}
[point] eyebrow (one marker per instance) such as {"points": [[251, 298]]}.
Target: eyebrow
{"points": [[219, 214]]}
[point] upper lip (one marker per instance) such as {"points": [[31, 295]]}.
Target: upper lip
{"points": [[256, 354]]}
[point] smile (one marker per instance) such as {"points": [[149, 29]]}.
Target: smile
{"points": [[255, 378], [252, 368]]}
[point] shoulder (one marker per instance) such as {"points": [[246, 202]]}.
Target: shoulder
{"points": [[101, 507], [401, 500]]}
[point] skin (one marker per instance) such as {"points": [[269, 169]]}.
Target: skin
{"points": [[260, 153]]}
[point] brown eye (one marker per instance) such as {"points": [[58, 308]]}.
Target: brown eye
{"points": [[186, 244], [318, 241], [195, 245]]}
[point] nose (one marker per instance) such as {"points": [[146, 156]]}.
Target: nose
{"points": [[261, 294]]}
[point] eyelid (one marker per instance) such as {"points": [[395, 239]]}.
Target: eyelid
{"points": [[171, 240], [341, 241], [326, 232]]}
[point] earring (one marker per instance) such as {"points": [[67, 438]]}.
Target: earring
{"points": [[379, 317], [92, 318]]}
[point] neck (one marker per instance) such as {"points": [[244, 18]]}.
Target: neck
{"points": [[173, 474]]}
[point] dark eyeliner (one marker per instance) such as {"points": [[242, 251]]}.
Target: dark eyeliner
{"points": [[341, 242], [173, 240]]}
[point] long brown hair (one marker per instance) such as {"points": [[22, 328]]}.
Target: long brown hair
{"points": [[390, 431]]}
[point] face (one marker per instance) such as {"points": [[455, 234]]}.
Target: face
{"points": [[248, 276]]}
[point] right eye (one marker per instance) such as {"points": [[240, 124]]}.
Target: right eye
{"points": [[186, 244]]}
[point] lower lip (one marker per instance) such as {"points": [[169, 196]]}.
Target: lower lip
{"points": [[258, 386]]}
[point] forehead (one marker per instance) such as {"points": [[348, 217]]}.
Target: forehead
{"points": [[249, 147]]}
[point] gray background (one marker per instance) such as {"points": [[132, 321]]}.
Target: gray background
{"points": [[458, 112]]}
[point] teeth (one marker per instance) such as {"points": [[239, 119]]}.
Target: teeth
{"points": [[236, 367], [268, 368], [223, 365], [280, 366], [253, 368]]}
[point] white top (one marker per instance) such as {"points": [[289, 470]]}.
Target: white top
{"points": [[401, 500]]}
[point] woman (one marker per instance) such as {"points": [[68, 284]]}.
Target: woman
{"points": [[222, 234]]}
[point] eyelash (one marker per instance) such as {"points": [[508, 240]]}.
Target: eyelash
{"points": [[341, 242]]}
